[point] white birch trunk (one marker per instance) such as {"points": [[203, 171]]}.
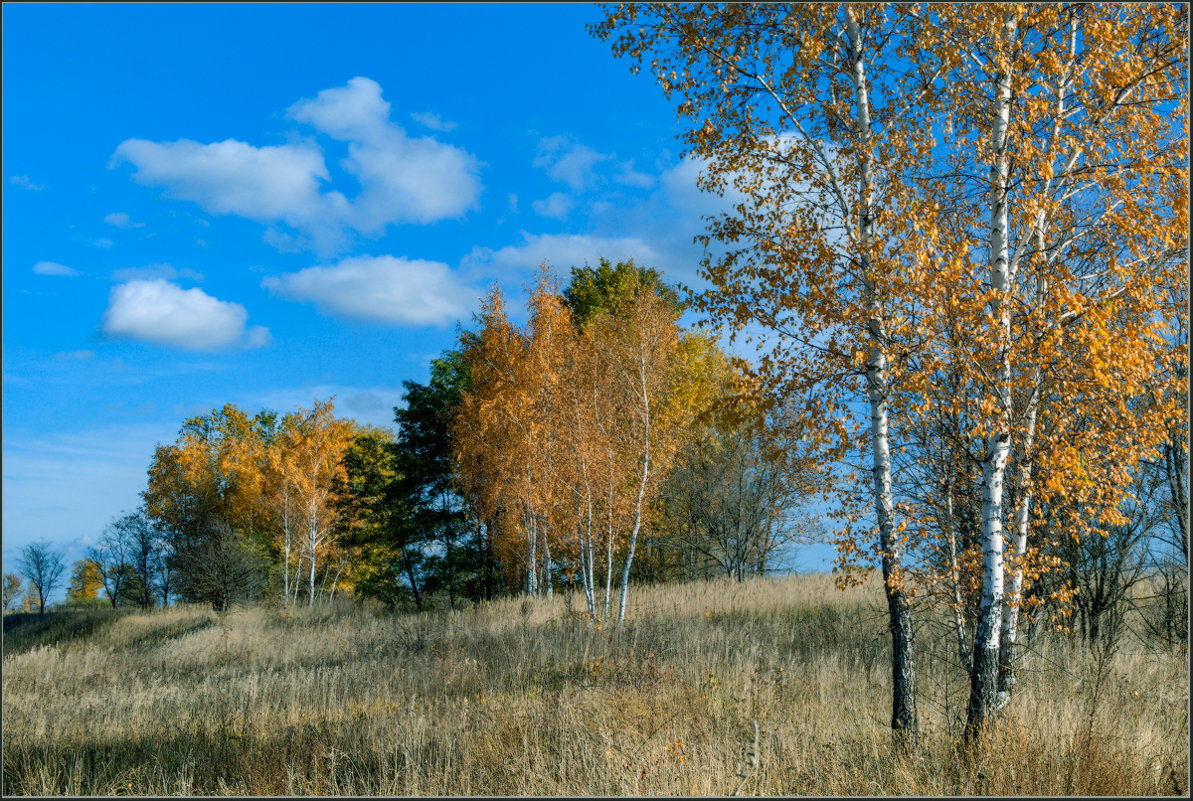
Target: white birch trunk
{"points": [[1008, 658], [531, 564], [984, 670], [313, 546], [609, 542], [903, 712], [964, 647], [548, 578], [297, 573], [645, 476], [335, 582]]}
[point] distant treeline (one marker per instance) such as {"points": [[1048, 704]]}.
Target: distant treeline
{"points": [[594, 447]]}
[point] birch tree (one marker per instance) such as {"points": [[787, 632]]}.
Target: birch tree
{"points": [[638, 351], [1052, 257], [312, 444], [810, 114]]}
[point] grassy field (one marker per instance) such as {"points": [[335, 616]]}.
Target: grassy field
{"points": [[520, 697]]}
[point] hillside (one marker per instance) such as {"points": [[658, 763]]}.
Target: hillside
{"points": [[518, 697]]}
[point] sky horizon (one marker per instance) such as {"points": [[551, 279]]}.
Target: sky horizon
{"points": [[267, 204]]}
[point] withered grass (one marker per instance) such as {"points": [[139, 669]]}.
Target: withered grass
{"points": [[518, 697]]}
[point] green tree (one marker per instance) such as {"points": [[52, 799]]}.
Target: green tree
{"points": [[424, 487], [611, 287]]}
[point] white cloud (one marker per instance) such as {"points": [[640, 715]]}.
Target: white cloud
{"points": [[53, 268], [513, 203], [371, 405], [562, 251], [166, 272], [102, 242], [556, 206], [631, 177], [165, 314], [121, 219], [23, 180], [403, 179], [568, 161], [382, 288], [266, 184], [433, 121], [680, 189]]}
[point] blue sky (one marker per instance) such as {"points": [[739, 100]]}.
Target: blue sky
{"points": [[261, 204]]}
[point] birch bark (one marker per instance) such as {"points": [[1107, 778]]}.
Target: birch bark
{"points": [[903, 711], [984, 671]]}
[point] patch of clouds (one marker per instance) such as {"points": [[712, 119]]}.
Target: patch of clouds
{"points": [[561, 251], [513, 203], [54, 268], [557, 206], [655, 230], [569, 161], [162, 313], [386, 289], [102, 242], [104, 467], [680, 189], [433, 121], [631, 177], [370, 405], [275, 183], [24, 182], [403, 179], [166, 272], [121, 219]]}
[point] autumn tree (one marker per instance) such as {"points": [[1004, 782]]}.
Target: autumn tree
{"points": [[638, 353], [811, 113], [215, 469], [12, 590], [1052, 257], [42, 565], [307, 464], [86, 580], [566, 430], [505, 437], [181, 509], [866, 236]]}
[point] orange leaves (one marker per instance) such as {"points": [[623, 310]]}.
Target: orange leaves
{"points": [[566, 433]]}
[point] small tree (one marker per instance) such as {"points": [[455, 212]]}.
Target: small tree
{"points": [[144, 542], [12, 590], [86, 579], [113, 555], [43, 566], [225, 567]]}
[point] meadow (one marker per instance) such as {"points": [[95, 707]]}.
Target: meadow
{"points": [[772, 686]]}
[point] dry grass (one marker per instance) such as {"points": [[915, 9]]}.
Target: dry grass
{"points": [[518, 698]]}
